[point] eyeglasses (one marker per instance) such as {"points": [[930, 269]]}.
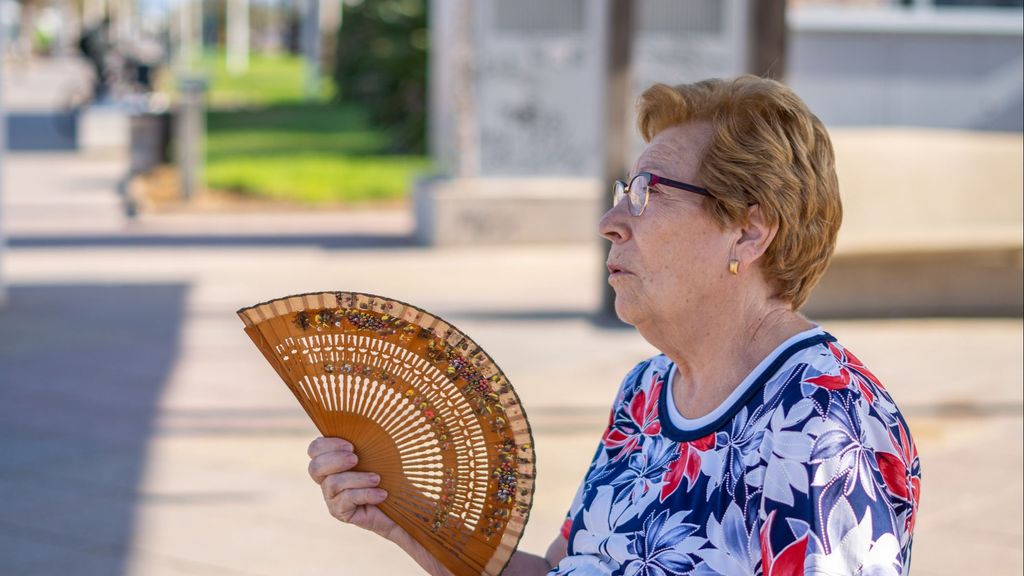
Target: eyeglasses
{"points": [[638, 190]]}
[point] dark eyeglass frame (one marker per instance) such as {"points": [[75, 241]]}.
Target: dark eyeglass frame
{"points": [[639, 192]]}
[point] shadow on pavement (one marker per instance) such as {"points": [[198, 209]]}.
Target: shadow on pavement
{"points": [[82, 370]]}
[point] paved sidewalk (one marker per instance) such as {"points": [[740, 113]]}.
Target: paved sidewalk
{"points": [[143, 434]]}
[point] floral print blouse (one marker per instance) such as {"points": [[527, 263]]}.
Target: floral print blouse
{"points": [[807, 468]]}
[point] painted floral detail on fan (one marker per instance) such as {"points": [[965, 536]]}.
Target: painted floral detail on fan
{"points": [[442, 514], [430, 414], [381, 324], [382, 376], [506, 479], [478, 389], [506, 474]]}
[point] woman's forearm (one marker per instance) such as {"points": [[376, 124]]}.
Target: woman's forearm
{"points": [[526, 564], [521, 563], [420, 554]]}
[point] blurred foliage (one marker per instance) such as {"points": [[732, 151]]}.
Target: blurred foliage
{"points": [[381, 64]]}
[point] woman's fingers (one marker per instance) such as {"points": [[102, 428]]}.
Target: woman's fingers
{"points": [[328, 463], [350, 496], [336, 483], [350, 504], [322, 445]]}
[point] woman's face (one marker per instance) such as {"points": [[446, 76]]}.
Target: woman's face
{"points": [[672, 261]]}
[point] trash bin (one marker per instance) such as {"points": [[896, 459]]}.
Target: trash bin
{"points": [[150, 139]]}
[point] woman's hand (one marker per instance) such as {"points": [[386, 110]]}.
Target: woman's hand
{"points": [[351, 496]]}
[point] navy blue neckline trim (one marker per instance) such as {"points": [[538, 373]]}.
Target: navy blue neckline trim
{"points": [[669, 430]]}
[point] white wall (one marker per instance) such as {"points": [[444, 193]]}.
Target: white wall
{"points": [[937, 68]]}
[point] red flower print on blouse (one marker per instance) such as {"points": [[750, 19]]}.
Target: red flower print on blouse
{"points": [[640, 418], [788, 562], [897, 471], [566, 528], [686, 466], [850, 367]]}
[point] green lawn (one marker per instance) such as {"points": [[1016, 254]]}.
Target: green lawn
{"points": [[264, 140], [270, 79]]}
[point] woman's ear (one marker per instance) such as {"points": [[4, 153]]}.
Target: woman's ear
{"points": [[755, 236]]}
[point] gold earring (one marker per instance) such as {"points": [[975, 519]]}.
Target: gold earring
{"points": [[734, 267]]}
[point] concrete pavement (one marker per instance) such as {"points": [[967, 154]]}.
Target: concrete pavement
{"points": [[142, 433]]}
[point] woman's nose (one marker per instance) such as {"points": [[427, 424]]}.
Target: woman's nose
{"points": [[613, 224]]}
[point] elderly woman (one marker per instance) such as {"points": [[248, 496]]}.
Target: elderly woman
{"points": [[755, 443]]}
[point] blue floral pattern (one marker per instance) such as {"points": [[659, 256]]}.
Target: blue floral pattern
{"points": [[812, 471]]}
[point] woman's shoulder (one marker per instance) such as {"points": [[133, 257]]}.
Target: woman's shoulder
{"points": [[830, 366], [834, 390]]}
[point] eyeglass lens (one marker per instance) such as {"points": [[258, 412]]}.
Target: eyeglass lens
{"points": [[636, 192]]}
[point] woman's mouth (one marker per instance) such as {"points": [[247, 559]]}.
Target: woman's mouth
{"points": [[616, 270]]}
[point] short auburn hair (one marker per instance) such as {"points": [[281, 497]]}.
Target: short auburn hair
{"points": [[766, 148]]}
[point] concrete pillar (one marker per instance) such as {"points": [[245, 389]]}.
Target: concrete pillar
{"points": [[198, 15], [767, 48], [238, 36], [184, 35], [311, 47], [466, 127], [330, 24], [191, 131], [190, 33]]}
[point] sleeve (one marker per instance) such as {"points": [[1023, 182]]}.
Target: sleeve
{"points": [[824, 505]]}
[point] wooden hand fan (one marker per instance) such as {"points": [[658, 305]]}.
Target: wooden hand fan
{"points": [[425, 408]]}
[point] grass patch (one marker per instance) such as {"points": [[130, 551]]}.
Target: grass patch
{"points": [[263, 140], [315, 179], [314, 154], [270, 79]]}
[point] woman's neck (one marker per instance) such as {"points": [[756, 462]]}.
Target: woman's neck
{"points": [[713, 355]]}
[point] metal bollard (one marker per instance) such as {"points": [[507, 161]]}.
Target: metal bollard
{"points": [[191, 133]]}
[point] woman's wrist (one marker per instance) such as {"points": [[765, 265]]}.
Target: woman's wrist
{"points": [[417, 552], [526, 564]]}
